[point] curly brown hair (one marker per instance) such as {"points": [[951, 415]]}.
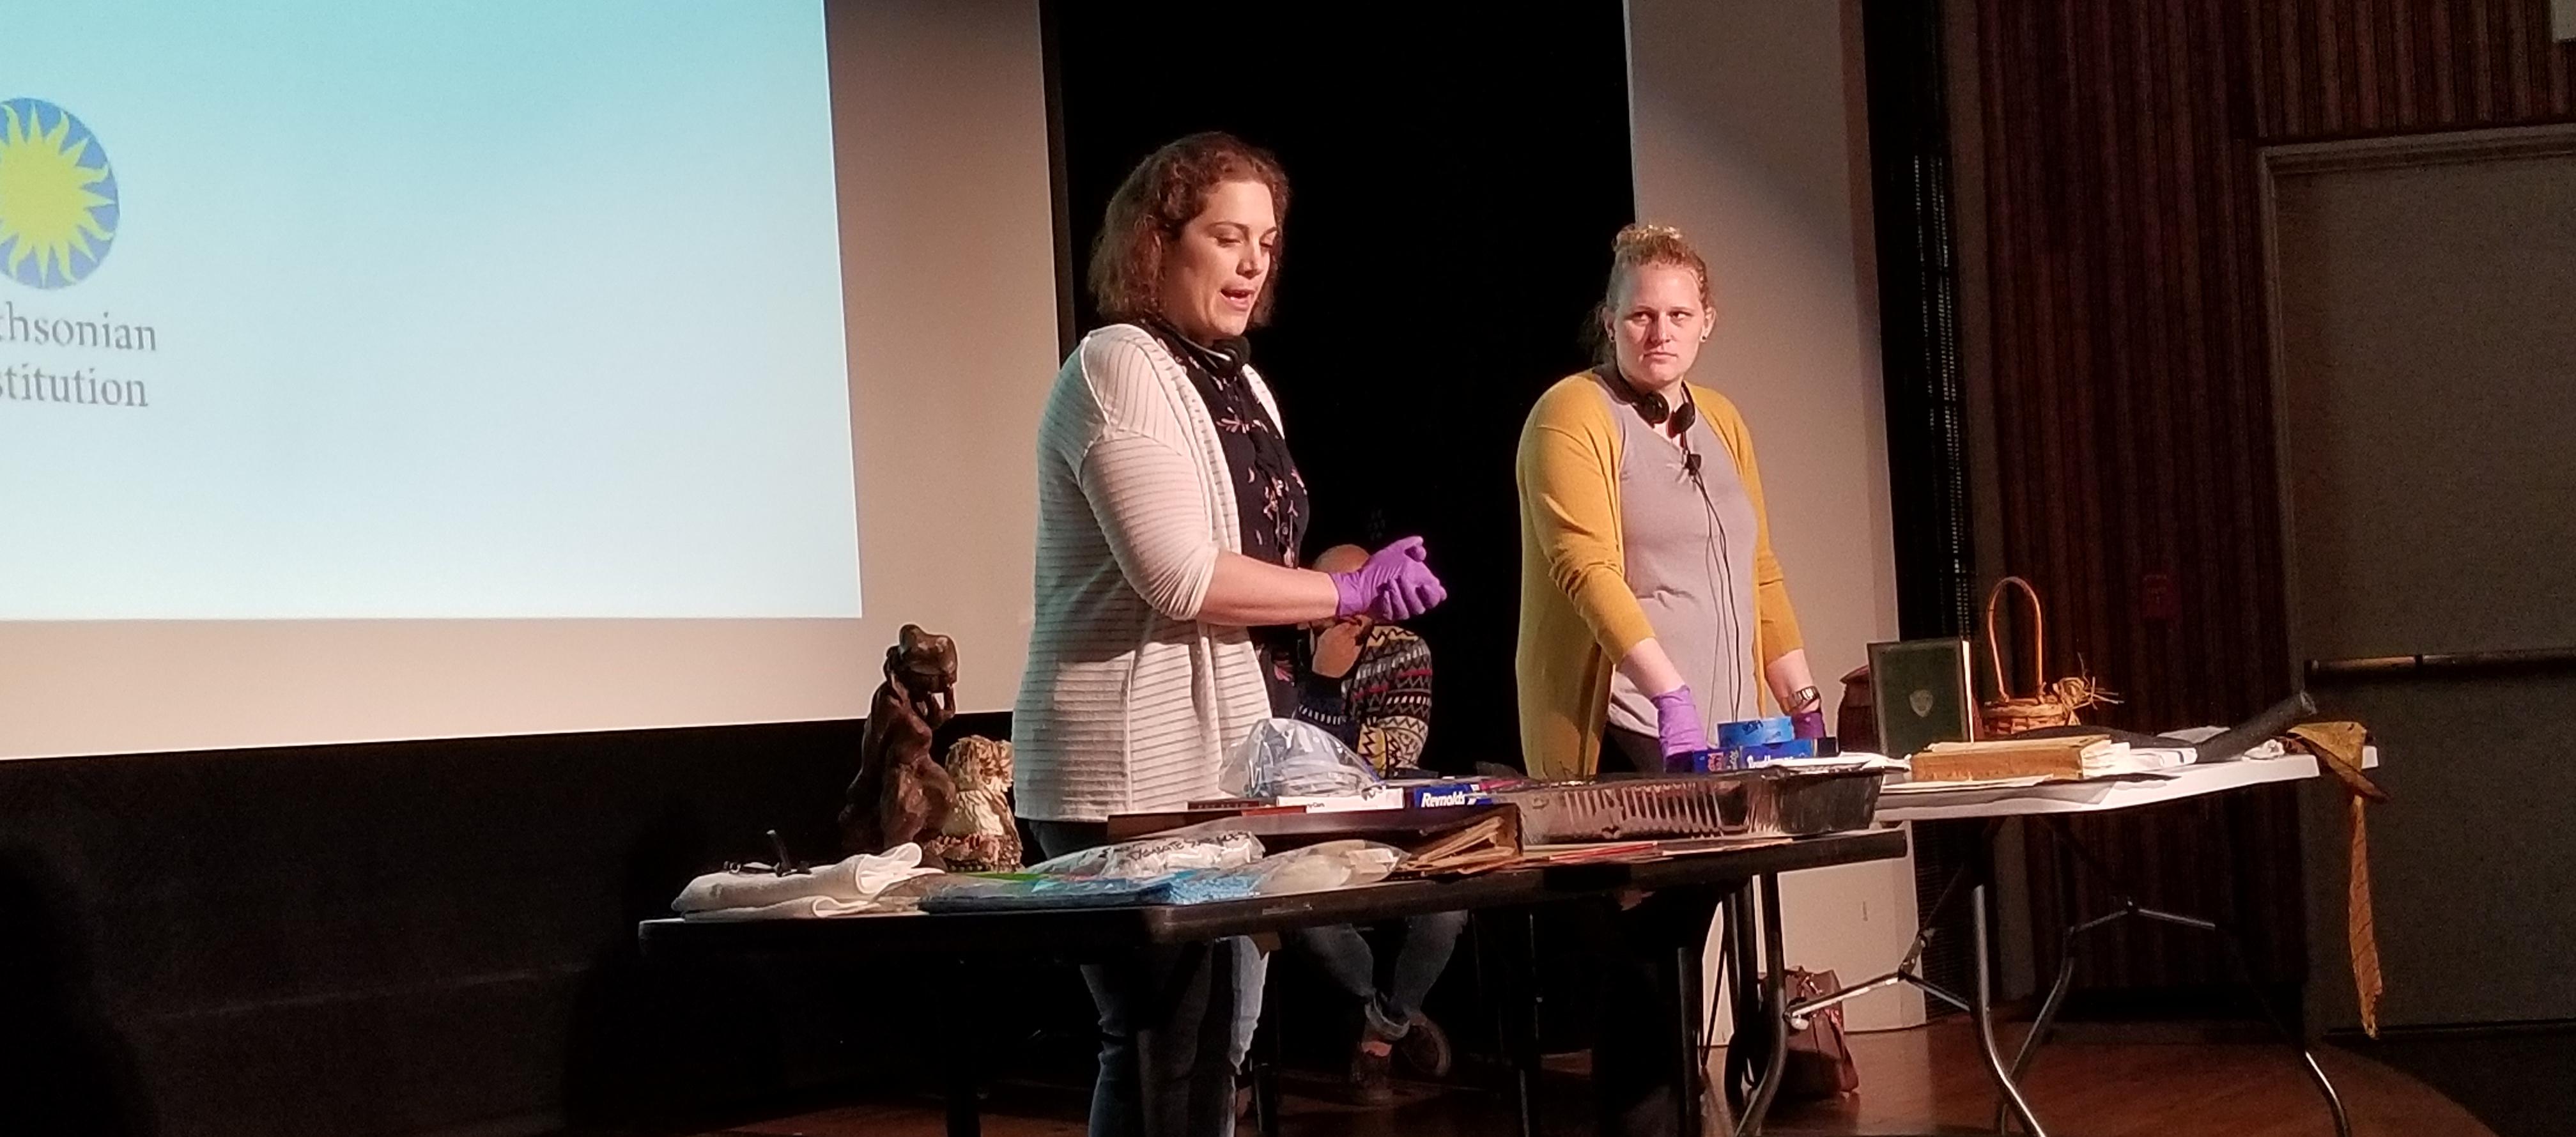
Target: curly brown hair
{"points": [[1161, 195], [1634, 248]]}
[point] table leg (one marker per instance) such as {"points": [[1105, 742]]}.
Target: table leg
{"points": [[2245, 970], [1525, 1099], [2009, 1099], [1692, 1076], [965, 1112], [2047, 1017], [1981, 1009], [2235, 951], [1506, 951], [1744, 995], [1772, 1015], [1265, 1084], [964, 1116]]}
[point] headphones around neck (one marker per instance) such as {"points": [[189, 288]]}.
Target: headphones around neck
{"points": [[1225, 358], [1651, 406]]}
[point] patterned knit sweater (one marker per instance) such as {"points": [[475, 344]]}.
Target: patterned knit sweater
{"points": [[1382, 709]]}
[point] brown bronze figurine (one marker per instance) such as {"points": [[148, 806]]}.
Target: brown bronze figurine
{"points": [[901, 794]]}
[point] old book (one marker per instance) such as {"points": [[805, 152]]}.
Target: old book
{"points": [[2052, 758], [1923, 694], [1491, 841], [1438, 840]]}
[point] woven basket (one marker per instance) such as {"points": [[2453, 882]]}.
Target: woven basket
{"points": [[2049, 703]]}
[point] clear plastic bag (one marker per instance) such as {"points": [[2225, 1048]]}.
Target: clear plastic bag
{"points": [[1287, 758], [1315, 868], [1152, 857]]}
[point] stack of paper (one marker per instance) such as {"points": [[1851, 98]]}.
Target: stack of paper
{"points": [[2125, 759]]}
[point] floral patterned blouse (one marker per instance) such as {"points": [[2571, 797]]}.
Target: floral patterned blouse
{"points": [[1269, 495]]}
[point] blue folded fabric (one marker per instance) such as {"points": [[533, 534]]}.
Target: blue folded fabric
{"points": [[978, 893], [1015, 893], [1207, 886]]}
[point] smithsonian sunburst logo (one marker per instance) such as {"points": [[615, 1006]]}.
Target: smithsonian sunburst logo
{"points": [[58, 205]]}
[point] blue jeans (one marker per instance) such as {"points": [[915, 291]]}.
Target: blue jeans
{"points": [[1166, 1026], [1345, 956], [1251, 975]]}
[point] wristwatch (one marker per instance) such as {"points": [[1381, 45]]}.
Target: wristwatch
{"points": [[1806, 699]]}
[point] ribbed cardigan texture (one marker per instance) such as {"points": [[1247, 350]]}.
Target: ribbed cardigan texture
{"points": [[1128, 702]]}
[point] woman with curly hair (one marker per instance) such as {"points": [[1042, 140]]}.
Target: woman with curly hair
{"points": [[1170, 514]]}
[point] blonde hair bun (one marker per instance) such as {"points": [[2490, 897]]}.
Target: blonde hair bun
{"points": [[1643, 244], [1635, 247]]}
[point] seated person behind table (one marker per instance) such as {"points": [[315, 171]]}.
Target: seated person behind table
{"points": [[1370, 684]]}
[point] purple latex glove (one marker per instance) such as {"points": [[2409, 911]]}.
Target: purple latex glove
{"points": [[1677, 722], [1810, 724], [1394, 585]]}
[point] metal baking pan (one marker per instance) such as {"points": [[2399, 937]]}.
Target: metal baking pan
{"points": [[1746, 803]]}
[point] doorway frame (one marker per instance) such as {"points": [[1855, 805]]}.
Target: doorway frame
{"points": [[2320, 807]]}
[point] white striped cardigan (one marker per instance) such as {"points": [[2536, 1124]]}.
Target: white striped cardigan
{"points": [[1128, 702]]}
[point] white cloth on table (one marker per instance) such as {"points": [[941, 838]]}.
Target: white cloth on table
{"points": [[802, 908], [836, 889]]}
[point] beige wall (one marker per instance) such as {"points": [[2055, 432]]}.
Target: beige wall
{"points": [[1750, 135], [948, 267]]}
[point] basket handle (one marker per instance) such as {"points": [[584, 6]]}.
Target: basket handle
{"points": [[2038, 636]]}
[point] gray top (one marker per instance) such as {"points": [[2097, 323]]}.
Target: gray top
{"points": [[1688, 542]]}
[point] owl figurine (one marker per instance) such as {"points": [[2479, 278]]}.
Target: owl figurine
{"points": [[979, 834]]}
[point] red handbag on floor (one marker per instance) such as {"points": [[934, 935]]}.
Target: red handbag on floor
{"points": [[1819, 1062], [1820, 1059]]}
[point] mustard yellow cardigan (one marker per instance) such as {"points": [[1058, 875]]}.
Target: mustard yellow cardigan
{"points": [[1578, 617]]}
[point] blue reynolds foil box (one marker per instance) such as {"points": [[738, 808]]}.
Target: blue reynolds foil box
{"points": [[1747, 757], [1462, 791], [1755, 732], [1743, 756], [1732, 758]]}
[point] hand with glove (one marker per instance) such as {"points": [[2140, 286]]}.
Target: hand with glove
{"points": [[1677, 724], [1394, 585]]}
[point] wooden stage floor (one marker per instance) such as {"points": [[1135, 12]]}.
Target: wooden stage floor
{"points": [[1925, 1080]]}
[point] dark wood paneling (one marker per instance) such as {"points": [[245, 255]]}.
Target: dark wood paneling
{"points": [[2351, 68], [2131, 397]]}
